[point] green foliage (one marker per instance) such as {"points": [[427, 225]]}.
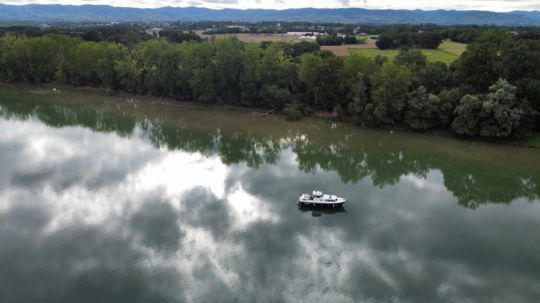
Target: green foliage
{"points": [[107, 65], [14, 60], [468, 114], [330, 40], [274, 96], [390, 89], [424, 110], [298, 78], [449, 101], [293, 112], [431, 55], [351, 39], [322, 79], [434, 77], [179, 36], [128, 74], [413, 59], [202, 83], [405, 38], [309, 71], [42, 61], [498, 114], [300, 48], [84, 62], [249, 77], [384, 42], [228, 66], [482, 63], [355, 83], [430, 40], [338, 110], [502, 113]]}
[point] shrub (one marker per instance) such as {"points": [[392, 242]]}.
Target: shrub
{"points": [[293, 112]]}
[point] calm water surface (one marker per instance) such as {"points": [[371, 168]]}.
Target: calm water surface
{"points": [[118, 199]]}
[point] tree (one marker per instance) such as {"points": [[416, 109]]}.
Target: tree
{"points": [[274, 96], [83, 62], [468, 114], [228, 66], [270, 65], [179, 36], [128, 73], [14, 60], [42, 59], [482, 62], [176, 68], [423, 110], [499, 114], [332, 39], [308, 72], [413, 59], [503, 115], [350, 39], [449, 101], [435, 77], [521, 65], [249, 77], [91, 35], [202, 84], [390, 89], [384, 42], [355, 83], [150, 57], [300, 48], [429, 40], [357, 97], [106, 65]]}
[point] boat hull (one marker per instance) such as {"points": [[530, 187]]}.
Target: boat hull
{"points": [[321, 205], [326, 204]]}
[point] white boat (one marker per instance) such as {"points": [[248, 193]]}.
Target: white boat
{"points": [[317, 198]]}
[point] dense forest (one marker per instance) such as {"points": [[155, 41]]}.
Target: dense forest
{"points": [[492, 90]]}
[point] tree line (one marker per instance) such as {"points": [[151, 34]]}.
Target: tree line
{"points": [[492, 90], [408, 39]]}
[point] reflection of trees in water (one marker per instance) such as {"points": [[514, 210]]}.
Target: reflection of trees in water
{"points": [[472, 182], [232, 149], [476, 184]]}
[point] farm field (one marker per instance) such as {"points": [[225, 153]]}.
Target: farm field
{"points": [[453, 47], [253, 38], [433, 55], [343, 50]]}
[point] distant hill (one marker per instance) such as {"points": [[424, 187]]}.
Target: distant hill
{"points": [[36, 13]]}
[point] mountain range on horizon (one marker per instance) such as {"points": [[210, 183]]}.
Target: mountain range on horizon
{"points": [[56, 13]]}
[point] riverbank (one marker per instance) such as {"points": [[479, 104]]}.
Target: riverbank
{"points": [[532, 141]]}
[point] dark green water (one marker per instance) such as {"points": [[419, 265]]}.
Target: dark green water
{"points": [[118, 199]]}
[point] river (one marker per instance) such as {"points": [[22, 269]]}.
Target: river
{"points": [[132, 199]]}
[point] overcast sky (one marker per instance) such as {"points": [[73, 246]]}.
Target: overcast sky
{"points": [[497, 5]]}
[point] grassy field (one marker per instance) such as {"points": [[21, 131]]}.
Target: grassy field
{"points": [[453, 47], [433, 55], [252, 38], [447, 52], [533, 141]]}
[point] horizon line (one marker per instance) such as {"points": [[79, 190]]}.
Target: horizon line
{"points": [[274, 9]]}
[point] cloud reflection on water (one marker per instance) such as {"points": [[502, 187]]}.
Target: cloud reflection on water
{"points": [[88, 216]]}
